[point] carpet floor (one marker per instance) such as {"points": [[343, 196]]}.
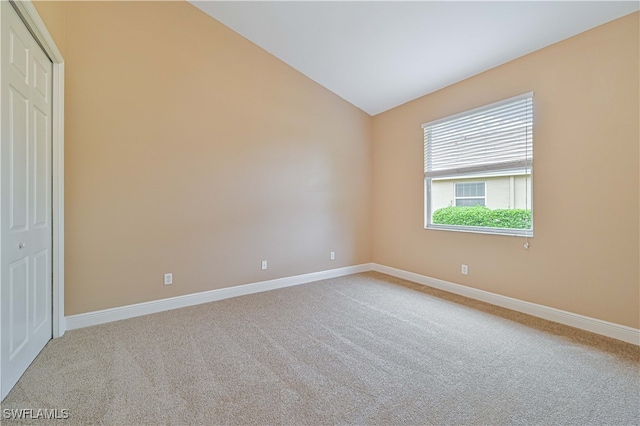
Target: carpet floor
{"points": [[362, 349]]}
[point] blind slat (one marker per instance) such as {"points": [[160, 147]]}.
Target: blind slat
{"points": [[520, 165], [500, 134]]}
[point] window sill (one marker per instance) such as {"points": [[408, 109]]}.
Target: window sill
{"points": [[482, 230]]}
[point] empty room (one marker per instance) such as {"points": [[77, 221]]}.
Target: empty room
{"points": [[320, 212]]}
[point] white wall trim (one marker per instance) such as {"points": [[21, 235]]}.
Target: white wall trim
{"points": [[605, 328], [139, 309], [34, 23], [31, 18], [616, 331]]}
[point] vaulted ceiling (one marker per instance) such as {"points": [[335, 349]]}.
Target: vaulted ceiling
{"points": [[380, 54]]}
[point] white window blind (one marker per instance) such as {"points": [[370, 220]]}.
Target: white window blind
{"points": [[493, 137]]}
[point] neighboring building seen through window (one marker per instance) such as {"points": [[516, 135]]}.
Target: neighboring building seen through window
{"points": [[470, 194], [478, 169]]}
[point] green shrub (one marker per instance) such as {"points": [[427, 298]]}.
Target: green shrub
{"points": [[483, 216]]}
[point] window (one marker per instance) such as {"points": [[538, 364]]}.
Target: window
{"points": [[470, 194], [478, 169]]}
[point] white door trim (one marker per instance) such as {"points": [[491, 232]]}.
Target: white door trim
{"points": [[34, 23]]}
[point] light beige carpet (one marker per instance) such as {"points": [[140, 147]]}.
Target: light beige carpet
{"points": [[362, 349]]}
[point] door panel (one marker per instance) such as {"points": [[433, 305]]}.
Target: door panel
{"points": [[25, 206], [18, 112], [18, 54], [18, 309], [42, 77], [41, 171], [41, 283]]}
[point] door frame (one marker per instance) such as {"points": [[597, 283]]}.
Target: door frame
{"points": [[36, 26]]}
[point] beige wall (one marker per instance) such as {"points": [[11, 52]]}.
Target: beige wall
{"points": [[190, 150], [53, 16], [584, 257]]}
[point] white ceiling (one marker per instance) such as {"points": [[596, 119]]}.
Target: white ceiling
{"points": [[380, 54]]}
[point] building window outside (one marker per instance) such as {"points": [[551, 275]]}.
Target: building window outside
{"points": [[479, 167], [470, 194]]}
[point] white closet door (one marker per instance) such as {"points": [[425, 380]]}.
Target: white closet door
{"points": [[25, 209]]}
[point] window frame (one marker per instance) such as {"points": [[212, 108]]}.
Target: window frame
{"points": [[524, 167]]}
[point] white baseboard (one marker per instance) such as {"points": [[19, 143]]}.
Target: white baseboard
{"points": [[130, 311], [616, 331]]}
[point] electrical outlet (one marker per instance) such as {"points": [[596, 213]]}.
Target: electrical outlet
{"points": [[464, 270], [264, 265], [168, 279], [332, 256]]}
